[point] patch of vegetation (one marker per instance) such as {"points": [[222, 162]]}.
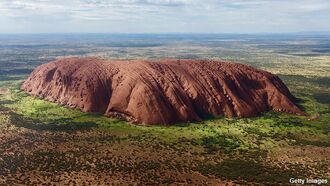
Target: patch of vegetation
{"points": [[268, 131], [249, 171], [65, 124], [322, 97], [219, 142]]}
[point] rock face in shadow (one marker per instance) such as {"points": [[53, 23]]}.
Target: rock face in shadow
{"points": [[160, 92]]}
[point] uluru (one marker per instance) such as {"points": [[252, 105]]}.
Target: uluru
{"points": [[160, 91]]}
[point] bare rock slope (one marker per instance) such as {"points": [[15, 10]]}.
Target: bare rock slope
{"points": [[160, 92]]}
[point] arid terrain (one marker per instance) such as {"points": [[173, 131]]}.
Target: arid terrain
{"points": [[43, 142]]}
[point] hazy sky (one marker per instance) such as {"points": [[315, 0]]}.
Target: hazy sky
{"points": [[162, 16]]}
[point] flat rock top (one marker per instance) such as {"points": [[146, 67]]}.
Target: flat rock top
{"points": [[160, 91]]}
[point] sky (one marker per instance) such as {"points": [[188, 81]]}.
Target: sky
{"points": [[164, 16]]}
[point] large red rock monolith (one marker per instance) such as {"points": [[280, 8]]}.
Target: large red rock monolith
{"points": [[162, 91]]}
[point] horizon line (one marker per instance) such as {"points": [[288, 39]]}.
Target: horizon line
{"points": [[167, 33]]}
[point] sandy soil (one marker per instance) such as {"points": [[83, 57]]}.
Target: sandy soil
{"points": [[313, 159], [90, 157], [100, 157], [4, 90]]}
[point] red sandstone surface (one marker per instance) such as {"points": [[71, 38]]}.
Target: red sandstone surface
{"points": [[162, 91]]}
